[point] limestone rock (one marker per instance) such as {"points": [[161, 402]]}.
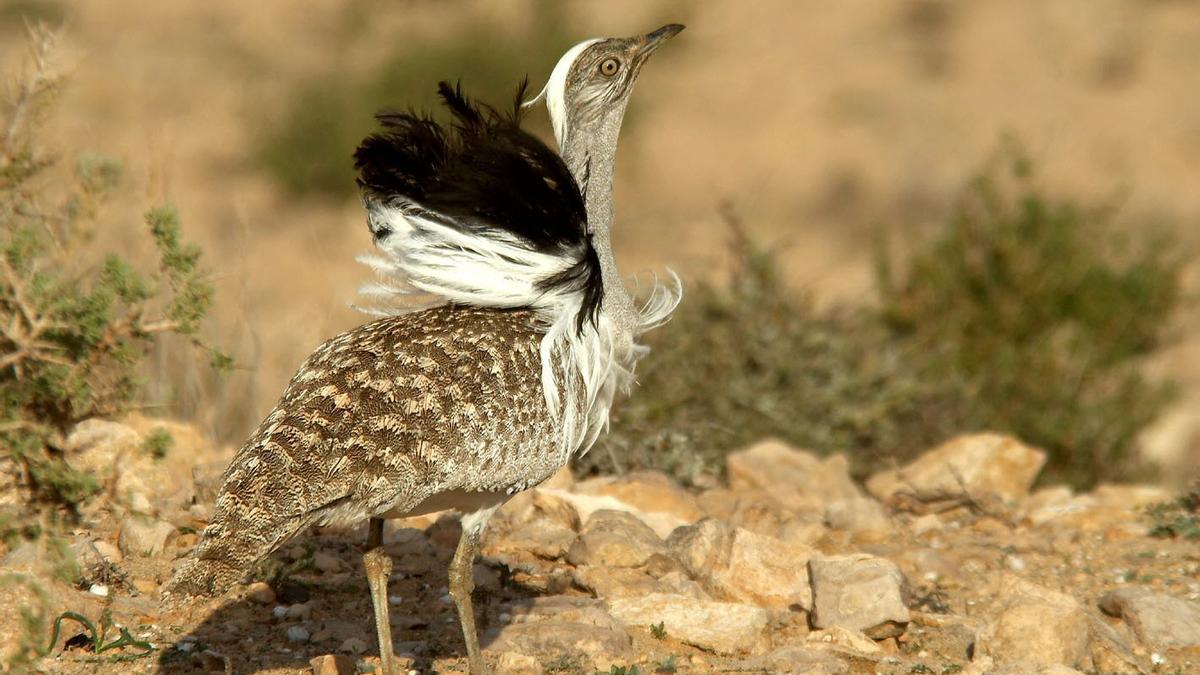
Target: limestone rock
{"points": [[800, 480], [984, 465], [144, 536], [515, 663], [615, 539], [1159, 620], [799, 660], [858, 592], [332, 664], [562, 637], [612, 582], [857, 514], [721, 627], [846, 638], [1036, 625], [742, 566], [112, 452], [537, 522], [646, 491], [261, 592]]}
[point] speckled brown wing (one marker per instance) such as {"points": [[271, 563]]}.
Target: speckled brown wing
{"points": [[378, 419]]}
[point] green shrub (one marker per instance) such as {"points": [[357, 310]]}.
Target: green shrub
{"points": [[755, 359], [72, 333], [1026, 314], [1046, 312]]}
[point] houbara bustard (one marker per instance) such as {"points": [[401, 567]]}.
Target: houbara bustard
{"points": [[462, 405]]}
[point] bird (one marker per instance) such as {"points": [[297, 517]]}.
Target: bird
{"points": [[507, 370]]}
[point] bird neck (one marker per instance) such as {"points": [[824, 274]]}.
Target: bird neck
{"points": [[590, 157]]}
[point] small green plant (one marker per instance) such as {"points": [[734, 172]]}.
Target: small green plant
{"points": [[666, 666], [158, 443], [95, 639], [1178, 519], [72, 332], [659, 630], [623, 670], [1046, 312]]}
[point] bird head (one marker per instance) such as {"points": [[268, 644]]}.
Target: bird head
{"points": [[591, 83]]}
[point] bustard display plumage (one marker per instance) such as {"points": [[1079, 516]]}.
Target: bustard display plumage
{"points": [[464, 404]]}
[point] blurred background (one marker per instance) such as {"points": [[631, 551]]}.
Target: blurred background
{"points": [[809, 168]]}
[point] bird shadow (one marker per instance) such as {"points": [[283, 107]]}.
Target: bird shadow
{"points": [[333, 608]]}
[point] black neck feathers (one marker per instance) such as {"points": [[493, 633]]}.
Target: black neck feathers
{"points": [[485, 176]]}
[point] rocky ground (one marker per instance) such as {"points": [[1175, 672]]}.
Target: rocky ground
{"points": [[948, 565]]}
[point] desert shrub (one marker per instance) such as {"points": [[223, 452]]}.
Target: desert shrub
{"points": [[1046, 312], [1025, 314], [72, 333], [753, 359]]}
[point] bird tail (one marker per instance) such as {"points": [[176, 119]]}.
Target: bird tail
{"points": [[237, 538]]}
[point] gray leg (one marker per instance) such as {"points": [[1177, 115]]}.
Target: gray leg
{"points": [[462, 582], [379, 567]]}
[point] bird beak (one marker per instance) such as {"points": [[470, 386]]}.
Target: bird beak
{"points": [[651, 41]]}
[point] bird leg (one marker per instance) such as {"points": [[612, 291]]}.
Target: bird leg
{"points": [[374, 533], [379, 566], [462, 583]]}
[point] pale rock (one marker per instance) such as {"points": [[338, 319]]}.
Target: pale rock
{"points": [[983, 465], [138, 502], [846, 638], [538, 504], [144, 536], [615, 539], [587, 505], [544, 538], [1160, 621], [563, 609], [301, 611], [1036, 625], [798, 660], [353, 645], [800, 480], [1111, 652], [646, 491], [1132, 497], [857, 514], [801, 532], [327, 562], [562, 637], [108, 551], [742, 566], [515, 663], [925, 524], [721, 627], [260, 592], [858, 592], [113, 453], [332, 664], [297, 634], [534, 521], [612, 582]]}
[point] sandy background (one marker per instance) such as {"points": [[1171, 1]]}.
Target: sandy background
{"points": [[822, 123]]}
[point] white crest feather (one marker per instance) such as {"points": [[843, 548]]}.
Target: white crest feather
{"points": [[555, 91]]}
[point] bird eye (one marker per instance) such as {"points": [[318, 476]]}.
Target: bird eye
{"points": [[609, 67]]}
